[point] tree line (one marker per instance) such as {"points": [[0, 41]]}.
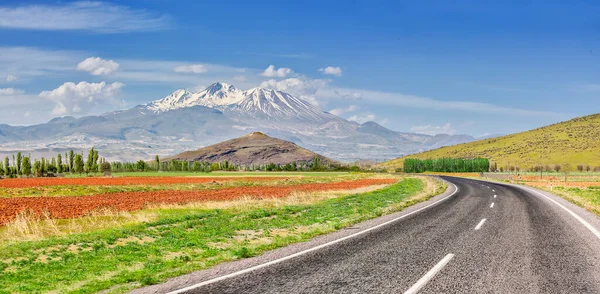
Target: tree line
{"points": [[414, 165], [69, 162], [74, 163]]}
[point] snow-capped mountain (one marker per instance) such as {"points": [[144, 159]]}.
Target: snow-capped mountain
{"points": [[256, 103], [187, 120]]}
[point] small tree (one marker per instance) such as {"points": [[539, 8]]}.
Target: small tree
{"points": [[18, 162], [157, 162], [104, 167], [141, 165], [26, 166], [580, 167], [6, 166], [557, 167], [78, 166], [37, 168], [71, 161], [59, 167]]}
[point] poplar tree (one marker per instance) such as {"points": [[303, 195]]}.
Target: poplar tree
{"points": [[26, 166], [18, 162], [6, 166], [157, 162], [71, 159], [78, 164], [59, 167]]}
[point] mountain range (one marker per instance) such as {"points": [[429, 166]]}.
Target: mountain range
{"points": [[187, 120]]}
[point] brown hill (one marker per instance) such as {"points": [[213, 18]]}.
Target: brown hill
{"points": [[255, 148]]}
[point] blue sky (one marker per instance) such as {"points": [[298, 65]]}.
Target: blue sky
{"points": [[474, 67]]}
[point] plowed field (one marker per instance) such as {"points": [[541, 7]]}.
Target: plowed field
{"points": [[121, 181], [71, 207]]}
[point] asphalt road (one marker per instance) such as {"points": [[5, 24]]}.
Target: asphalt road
{"points": [[526, 244]]}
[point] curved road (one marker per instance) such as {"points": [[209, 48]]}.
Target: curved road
{"points": [[526, 244]]}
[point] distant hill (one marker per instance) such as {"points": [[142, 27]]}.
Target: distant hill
{"points": [[254, 148], [575, 142]]}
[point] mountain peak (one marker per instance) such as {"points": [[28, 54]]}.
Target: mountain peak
{"points": [[220, 88]]}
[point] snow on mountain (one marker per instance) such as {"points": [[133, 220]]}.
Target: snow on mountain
{"points": [[253, 103], [187, 120]]}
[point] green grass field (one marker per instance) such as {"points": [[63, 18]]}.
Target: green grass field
{"points": [[182, 240]]}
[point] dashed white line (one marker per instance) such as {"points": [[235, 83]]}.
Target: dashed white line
{"points": [[429, 275], [495, 195], [493, 190], [480, 224], [276, 261], [492, 206]]}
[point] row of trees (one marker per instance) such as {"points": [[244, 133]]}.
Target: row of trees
{"points": [[203, 166], [71, 163], [546, 168], [413, 165], [74, 163]]}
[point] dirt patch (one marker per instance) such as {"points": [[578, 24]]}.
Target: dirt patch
{"points": [[72, 207], [131, 239]]}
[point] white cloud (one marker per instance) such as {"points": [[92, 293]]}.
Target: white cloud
{"points": [[11, 78], [413, 101], [10, 91], [98, 17], [80, 98], [98, 66], [434, 130], [340, 111], [362, 118], [330, 70], [191, 68], [281, 72], [301, 87]]}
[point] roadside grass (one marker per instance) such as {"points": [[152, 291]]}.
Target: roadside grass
{"points": [[84, 190], [588, 198], [213, 174], [179, 240]]}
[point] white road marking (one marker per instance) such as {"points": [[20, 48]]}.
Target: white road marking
{"points": [[429, 275], [276, 261], [493, 190], [577, 217], [492, 206], [480, 224], [495, 196]]}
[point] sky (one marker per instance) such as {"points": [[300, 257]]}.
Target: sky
{"points": [[454, 67]]}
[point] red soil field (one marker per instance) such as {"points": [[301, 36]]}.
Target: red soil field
{"points": [[122, 181], [72, 207]]}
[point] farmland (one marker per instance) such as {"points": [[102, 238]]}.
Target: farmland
{"points": [[91, 234]]}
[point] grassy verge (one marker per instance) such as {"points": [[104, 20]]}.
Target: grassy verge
{"points": [[588, 198], [182, 239]]}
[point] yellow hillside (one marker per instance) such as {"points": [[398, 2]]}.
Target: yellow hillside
{"points": [[575, 142]]}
